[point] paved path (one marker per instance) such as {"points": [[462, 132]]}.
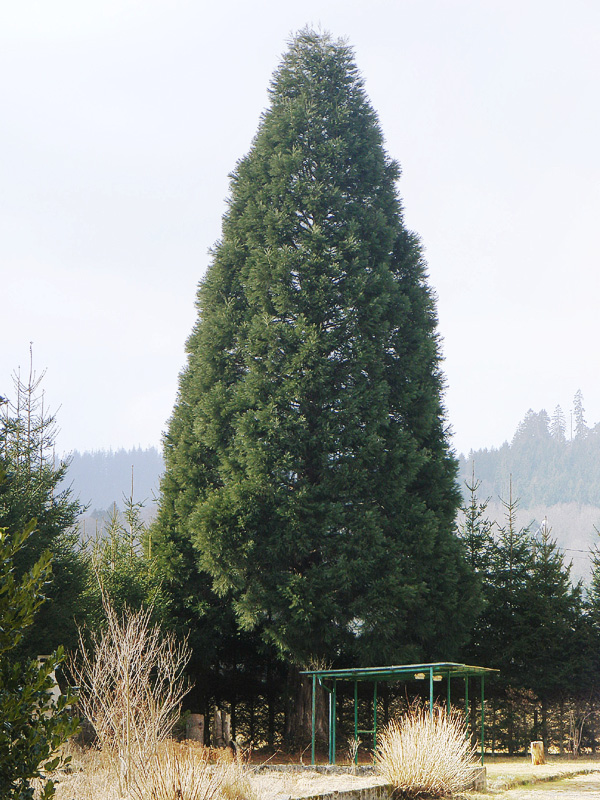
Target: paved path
{"points": [[580, 786]]}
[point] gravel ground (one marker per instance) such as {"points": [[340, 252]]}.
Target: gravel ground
{"points": [[506, 773], [578, 786], [277, 786], [548, 782]]}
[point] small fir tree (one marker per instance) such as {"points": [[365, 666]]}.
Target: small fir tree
{"points": [[35, 488], [476, 529], [551, 632], [593, 614], [32, 724], [496, 642], [121, 565]]}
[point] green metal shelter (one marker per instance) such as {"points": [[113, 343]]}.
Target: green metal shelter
{"points": [[434, 673]]}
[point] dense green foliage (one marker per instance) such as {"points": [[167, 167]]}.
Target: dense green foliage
{"points": [[535, 626], [551, 461], [34, 489], [32, 724], [309, 481], [120, 564]]}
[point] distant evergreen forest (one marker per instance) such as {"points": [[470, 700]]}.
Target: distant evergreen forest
{"points": [[549, 463], [102, 477]]}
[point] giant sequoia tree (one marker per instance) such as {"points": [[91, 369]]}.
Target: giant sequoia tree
{"points": [[308, 472]]}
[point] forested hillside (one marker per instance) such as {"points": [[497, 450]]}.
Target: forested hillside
{"points": [[554, 467], [549, 465], [549, 460], [102, 477]]}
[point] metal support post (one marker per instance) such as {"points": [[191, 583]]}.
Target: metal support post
{"points": [[333, 720], [314, 718], [374, 718], [482, 719], [431, 693], [356, 718], [330, 725]]}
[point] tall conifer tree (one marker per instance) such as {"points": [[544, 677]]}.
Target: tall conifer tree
{"points": [[36, 489], [307, 460], [581, 429], [553, 637]]}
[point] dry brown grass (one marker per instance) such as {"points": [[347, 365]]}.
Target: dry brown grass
{"points": [[90, 777], [189, 772], [218, 777], [426, 755], [176, 771]]}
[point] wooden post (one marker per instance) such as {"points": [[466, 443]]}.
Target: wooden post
{"points": [[537, 753], [194, 727]]}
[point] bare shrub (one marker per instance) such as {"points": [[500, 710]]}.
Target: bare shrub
{"points": [[131, 684], [426, 755]]}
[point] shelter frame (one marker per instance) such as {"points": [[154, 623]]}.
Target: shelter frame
{"points": [[434, 672]]}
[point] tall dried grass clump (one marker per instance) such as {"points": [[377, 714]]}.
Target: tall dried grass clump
{"points": [[426, 755], [188, 772], [130, 684], [91, 776]]}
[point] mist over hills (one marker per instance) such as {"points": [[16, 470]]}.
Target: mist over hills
{"points": [[102, 477], [555, 474], [546, 466]]}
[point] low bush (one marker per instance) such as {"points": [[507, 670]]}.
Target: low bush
{"points": [[426, 755], [131, 682]]}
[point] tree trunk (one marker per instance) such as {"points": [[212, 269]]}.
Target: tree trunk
{"points": [[561, 726], [233, 718], [270, 697], [233, 702], [207, 716], [545, 723], [299, 717], [251, 719]]}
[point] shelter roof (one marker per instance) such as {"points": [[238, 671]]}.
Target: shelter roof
{"points": [[402, 672]]}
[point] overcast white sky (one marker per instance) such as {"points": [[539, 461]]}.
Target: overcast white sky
{"points": [[121, 121]]}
